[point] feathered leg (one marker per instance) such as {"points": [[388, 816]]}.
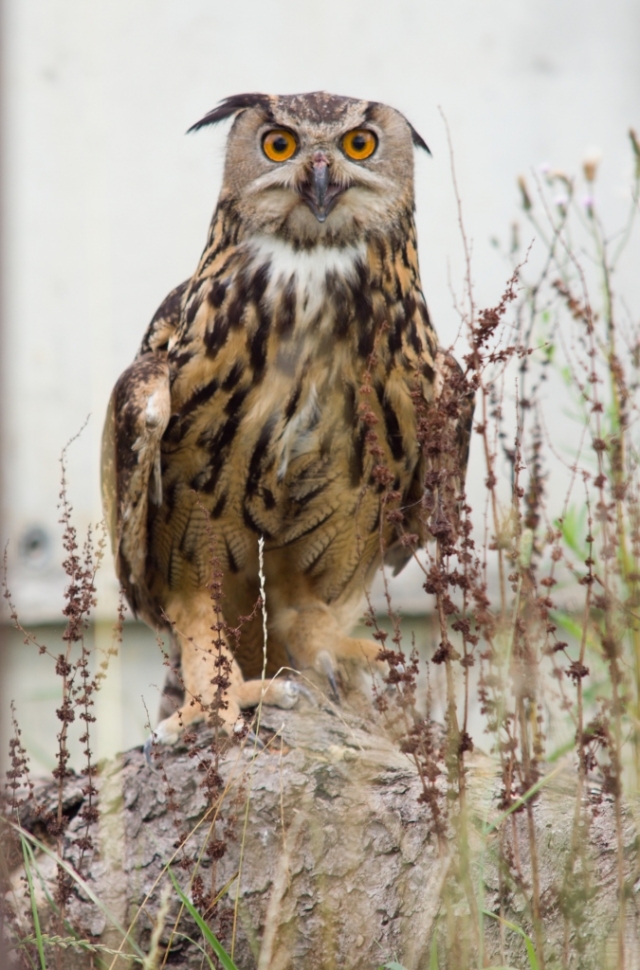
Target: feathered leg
{"points": [[211, 676]]}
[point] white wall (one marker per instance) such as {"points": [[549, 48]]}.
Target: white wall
{"points": [[107, 202]]}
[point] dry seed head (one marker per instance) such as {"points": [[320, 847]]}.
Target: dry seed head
{"points": [[524, 191], [590, 164]]}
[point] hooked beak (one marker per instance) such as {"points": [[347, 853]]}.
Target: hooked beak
{"points": [[319, 192]]}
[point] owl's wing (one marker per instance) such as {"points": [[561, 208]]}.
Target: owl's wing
{"points": [[444, 421], [137, 417]]}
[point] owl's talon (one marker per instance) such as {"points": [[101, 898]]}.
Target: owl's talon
{"points": [[333, 684], [289, 693], [324, 664], [303, 690], [167, 732], [254, 739], [147, 749], [153, 742]]}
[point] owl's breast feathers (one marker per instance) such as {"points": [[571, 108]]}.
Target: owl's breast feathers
{"points": [[291, 378]]}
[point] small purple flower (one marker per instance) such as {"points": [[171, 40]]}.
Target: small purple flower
{"points": [[561, 201], [588, 202]]}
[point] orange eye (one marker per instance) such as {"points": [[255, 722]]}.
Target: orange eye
{"points": [[359, 144], [279, 145]]}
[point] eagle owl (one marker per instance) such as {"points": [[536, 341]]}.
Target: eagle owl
{"points": [[280, 392]]}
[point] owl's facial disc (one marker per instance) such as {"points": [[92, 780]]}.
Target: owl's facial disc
{"points": [[319, 192], [316, 169]]}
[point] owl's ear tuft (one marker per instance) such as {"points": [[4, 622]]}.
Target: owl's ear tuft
{"points": [[418, 140], [231, 106]]}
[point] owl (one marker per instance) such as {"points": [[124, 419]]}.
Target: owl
{"points": [[284, 415]]}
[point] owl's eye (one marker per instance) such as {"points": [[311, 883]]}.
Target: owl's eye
{"points": [[359, 144], [279, 145]]}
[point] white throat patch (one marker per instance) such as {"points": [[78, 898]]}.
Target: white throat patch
{"points": [[310, 268]]}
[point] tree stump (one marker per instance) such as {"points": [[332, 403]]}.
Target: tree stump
{"points": [[327, 859]]}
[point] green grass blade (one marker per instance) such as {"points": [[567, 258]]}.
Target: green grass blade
{"points": [[433, 957], [183, 936], [34, 907], [74, 938], [49, 898], [75, 943], [528, 942], [209, 936], [80, 882], [493, 826]]}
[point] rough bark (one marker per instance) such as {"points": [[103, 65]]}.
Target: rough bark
{"points": [[338, 864]]}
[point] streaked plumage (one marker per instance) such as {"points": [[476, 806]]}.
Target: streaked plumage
{"points": [[275, 394]]}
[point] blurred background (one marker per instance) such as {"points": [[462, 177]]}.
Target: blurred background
{"points": [[106, 204]]}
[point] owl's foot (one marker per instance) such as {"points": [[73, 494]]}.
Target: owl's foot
{"points": [[315, 641], [242, 694], [203, 667]]}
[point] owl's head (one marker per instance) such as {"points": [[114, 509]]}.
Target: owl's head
{"points": [[316, 168]]}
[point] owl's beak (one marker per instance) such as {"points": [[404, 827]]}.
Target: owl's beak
{"points": [[319, 192]]}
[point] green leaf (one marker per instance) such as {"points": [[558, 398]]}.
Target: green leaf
{"points": [[528, 942], [567, 623], [209, 936], [574, 529]]}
